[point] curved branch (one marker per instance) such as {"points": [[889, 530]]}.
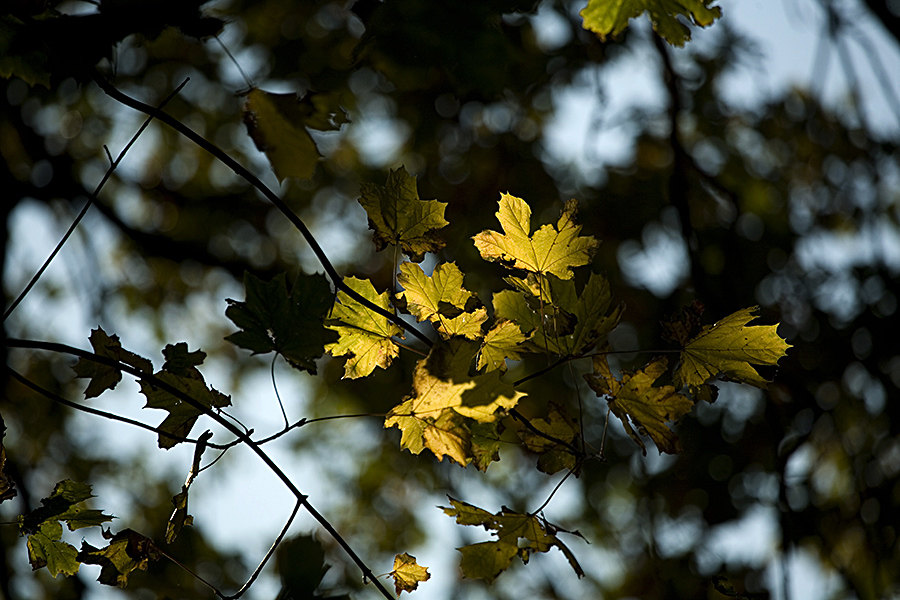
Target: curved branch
{"points": [[106, 415], [222, 421], [252, 179]]}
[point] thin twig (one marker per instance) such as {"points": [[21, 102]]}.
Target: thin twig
{"points": [[268, 555], [305, 421], [242, 436], [410, 348], [195, 575], [253, 180], [556, 488], [87, 205]]}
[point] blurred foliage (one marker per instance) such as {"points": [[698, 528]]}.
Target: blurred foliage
{"points": [[790, 205]]}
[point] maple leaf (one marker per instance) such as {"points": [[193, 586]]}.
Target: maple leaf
{"points": [[503, 341], [517, 535], [291, 324], [104, 377], [400, 218], [610, 17], [180, 371], [549, 250], [635, 400], [728, 349], [43, 526], [554, 456], [278, 123], [443, 393], [363, 334], [441, 299], [407, 573], [126, 552], [572, 323]]}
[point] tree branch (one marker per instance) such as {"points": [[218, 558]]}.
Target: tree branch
{"points": [[112, 167], [252, 179], [222, 421]]}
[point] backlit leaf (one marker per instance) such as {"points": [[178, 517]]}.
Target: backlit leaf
{"points": [[407, 573], [558, 425], [610, 17], [182, 415], [43, 526], [399, 218], [291, 324], [127, 551], [46, 550], [728, 349], [104, 377], [550, 250], [443, 393], [363, 334], [503, 341], [442, 299], [634, 400], [64, 504], [517, 535], [566, 324], [278, 123]]}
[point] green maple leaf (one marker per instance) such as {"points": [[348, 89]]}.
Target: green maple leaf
{"points": [[127, 551], [363, 334], [610, 17], [291, 324], [43, 526], [635, 400], [278, 124], [442, 299], [46, 550], [399, 218], [517, 535], [104, 377], [408, 573], [551, 249], [554, 456], [565, 323], [180, 372], [728, 349], [443, 394]]}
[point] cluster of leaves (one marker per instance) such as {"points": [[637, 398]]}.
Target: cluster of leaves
{"points": [[459, 398], [125, 552]]}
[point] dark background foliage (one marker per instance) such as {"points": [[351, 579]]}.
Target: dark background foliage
{"points": [[759, 200]]}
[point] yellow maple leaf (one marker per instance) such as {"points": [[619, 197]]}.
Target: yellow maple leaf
{"points": [[610, 17], [550, 250], [728, 349], [408, 573], [364, 335], [635, 400], [442, 299], [444, 395], [400, 218]]}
